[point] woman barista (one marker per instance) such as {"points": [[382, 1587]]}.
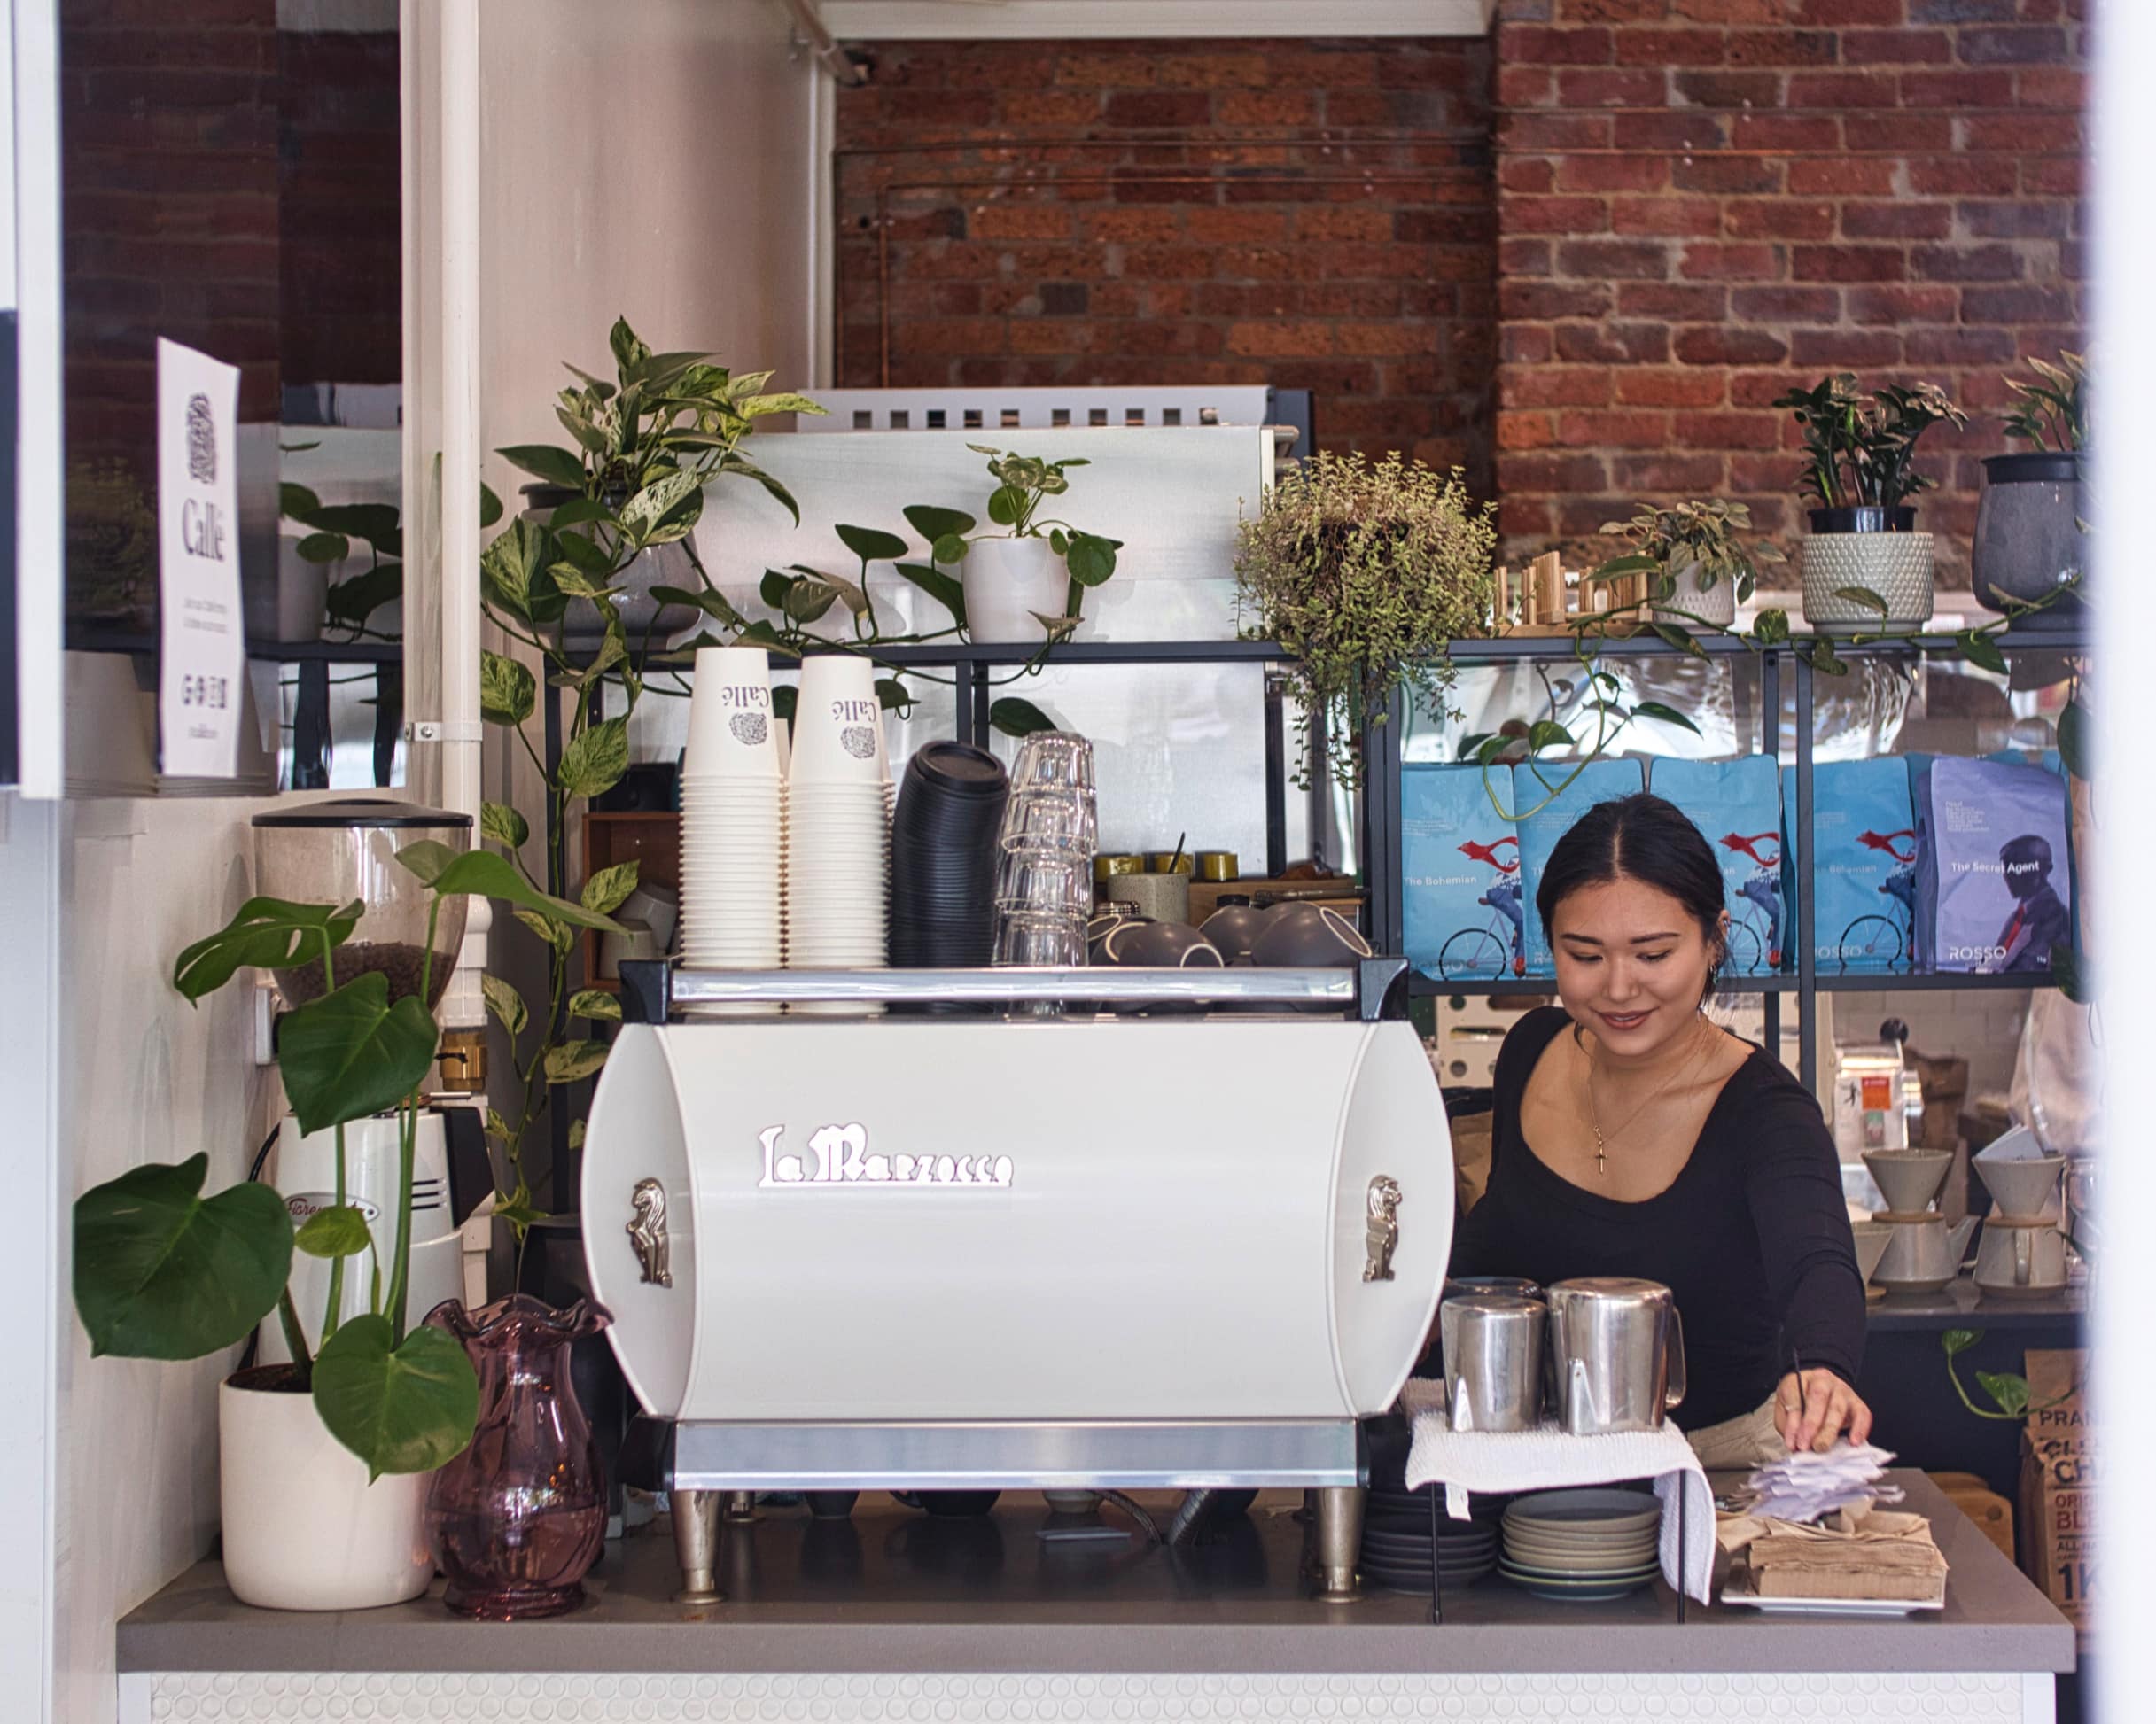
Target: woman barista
{"points": [[1632, 1136]]}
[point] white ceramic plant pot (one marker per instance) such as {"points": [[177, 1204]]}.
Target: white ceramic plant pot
{"points": [[1010, 585], [1717, 607], [1897, 566], [303, 1529]]}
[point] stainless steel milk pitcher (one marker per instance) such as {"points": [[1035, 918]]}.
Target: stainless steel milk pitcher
{"points": [[1618, 1353]]}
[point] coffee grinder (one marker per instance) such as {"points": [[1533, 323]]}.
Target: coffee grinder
{"points": [[334, 852]]}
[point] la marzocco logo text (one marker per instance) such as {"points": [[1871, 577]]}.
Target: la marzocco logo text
{"points": [[841, 1158]]}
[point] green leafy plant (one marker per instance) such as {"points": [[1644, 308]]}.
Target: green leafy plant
{"points": [[1859, 451], [1689, 548], [2009, 1391], [163, 1272], [647, 445], [1365, 571], [2052, 412], [1023, 486], [349, 604]]}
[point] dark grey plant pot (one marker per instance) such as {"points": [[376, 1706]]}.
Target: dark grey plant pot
{"points": [[2029, 541], [663, 565], [1864, 518]]}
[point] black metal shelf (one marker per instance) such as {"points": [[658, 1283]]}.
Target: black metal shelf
{"points": [[1430, 987], [1084, 652], [267, 652]]}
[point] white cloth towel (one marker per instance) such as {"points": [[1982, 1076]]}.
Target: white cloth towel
{"points": [[1550, 1459]]}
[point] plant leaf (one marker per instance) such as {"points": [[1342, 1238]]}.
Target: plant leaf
{"points": [[1980, 648], [1679, 638], [296, 502], [505, 1003], [504, 824], [2074, 738], [1865, 597], [543, 461], [950, 549], [605, 890], [1092, 561], [263, 934], [1548, 734], [161, 1273], [1669, 715], [809, 597], [643, 514], [713, 604], [508, 691], [334, 1232], [2010, 1390], [1015, 716], [355, 600], [595, 1003], [1058, 628], [1960, 1340], [482, 873], [871, 544], [946, 590], [323, 547], [354, 1051], [559, 936], [593, 763], [509, 563], [933, 523], [404, 1408], [490, 507], [573, 1060]]}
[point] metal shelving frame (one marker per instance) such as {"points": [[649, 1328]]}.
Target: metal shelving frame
{"points": [[1805, 982], [1381, 798]]}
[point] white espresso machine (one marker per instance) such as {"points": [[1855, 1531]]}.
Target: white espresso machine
{"points": [[1080, 1252]]}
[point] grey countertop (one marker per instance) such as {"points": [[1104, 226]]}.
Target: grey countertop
{"points": [[893, 1591]]}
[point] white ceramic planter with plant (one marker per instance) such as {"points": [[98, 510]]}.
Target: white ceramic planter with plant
{"points": [[1025, 587], [2031, 543], [1700, 570], [324, 1461], [1864, 566]]}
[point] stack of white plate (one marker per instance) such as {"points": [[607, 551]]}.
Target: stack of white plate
{"points": [[838, 802], [1582, 1546], [732, 818]]}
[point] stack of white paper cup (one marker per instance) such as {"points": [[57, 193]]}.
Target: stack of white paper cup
{"points": [[838, 800], [732, 818]]}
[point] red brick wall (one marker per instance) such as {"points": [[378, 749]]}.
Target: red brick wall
{"points": [[169, 221], [1702, 202], [1308, 214], [340, 200]]}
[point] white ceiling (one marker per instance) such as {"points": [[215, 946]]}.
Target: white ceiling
{"points": [[887, 21]]}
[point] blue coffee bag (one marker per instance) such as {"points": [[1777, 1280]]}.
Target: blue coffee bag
{"points": [[1544, 818], [1737, 805], [1863, 864], [1996, 886], [1459, 862]]}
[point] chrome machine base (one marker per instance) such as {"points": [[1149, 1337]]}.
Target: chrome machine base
{"points": [[1321, 1456]]}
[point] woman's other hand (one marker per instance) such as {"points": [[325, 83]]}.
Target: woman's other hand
{"points": [[1813, 1408]]}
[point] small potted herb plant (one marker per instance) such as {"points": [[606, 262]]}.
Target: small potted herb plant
{"points": [[2029, 543], [1864, 564], [1027, 584], [1702, 570], [1364, 571]]}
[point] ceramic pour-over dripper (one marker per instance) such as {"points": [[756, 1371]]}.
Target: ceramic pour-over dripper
{"points": [[1872, 1239], [2024, 1188], [1909, 1178]]}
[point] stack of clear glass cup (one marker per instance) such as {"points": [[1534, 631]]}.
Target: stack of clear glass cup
{"points": [[838, 802], [1044, 880], [733, 818]]}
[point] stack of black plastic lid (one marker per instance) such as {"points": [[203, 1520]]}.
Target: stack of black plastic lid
{"points": [[943, 858]]}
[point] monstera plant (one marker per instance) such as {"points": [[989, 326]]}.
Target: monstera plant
{"points": [[161, 1271]]}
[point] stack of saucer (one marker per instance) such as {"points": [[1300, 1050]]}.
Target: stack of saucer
{"points": [[1397, 1545], [838, 801], [1582, 1546], [732, 818]]}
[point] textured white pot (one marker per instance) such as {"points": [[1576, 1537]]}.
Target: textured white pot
{"points": [[1897, 566], [1007, 581], [1716, 606], [303, 1529]]}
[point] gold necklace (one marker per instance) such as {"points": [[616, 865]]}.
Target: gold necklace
{"points": [[1594, 1114]]}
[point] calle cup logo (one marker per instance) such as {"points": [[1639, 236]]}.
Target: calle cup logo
{"points": [[841, 1158]]}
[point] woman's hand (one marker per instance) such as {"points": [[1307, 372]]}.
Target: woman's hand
{"points": [[1813, 1408]]}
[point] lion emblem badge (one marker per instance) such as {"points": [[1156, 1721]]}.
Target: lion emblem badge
{"points": [[1381, 1232], [201, 441]]}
